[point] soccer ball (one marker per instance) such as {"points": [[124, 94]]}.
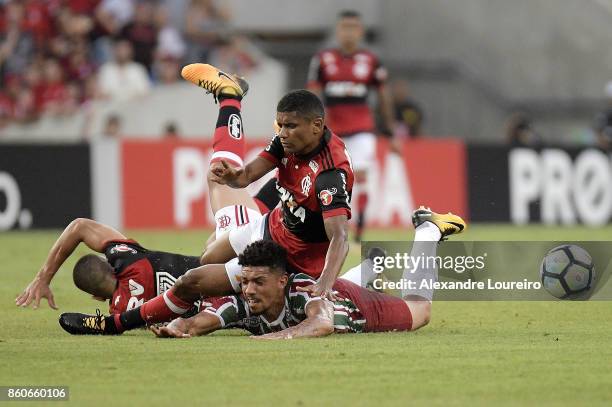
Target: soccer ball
{"points": [[567, 271]]}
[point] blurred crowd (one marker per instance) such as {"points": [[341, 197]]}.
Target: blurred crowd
{"points": [[57, 56]]}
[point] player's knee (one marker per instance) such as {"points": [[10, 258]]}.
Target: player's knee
{"points": [[216, 253], [206, 257], [426, 313], [420, 308], [188, 284]]}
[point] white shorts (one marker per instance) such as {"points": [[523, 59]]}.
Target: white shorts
{"points": [[234, 217], [362, 148], [240, 238]]}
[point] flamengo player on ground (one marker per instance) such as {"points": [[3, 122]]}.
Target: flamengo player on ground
{"points": [[343, 76], [315, 179], [272, 305], [132, 274], [128, 277]]}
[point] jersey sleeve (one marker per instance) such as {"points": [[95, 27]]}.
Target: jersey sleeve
{"points": [[315, 74], [298, 300], [122, 253], [229, 310], [379, 73], [332, 195], [274, 152]]}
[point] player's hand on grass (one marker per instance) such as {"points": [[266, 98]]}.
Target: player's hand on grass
{"points": [[223, 173], [34, 292], [272, 336], [172, 330]]}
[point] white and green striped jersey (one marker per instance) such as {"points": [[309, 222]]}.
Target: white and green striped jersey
{"points": [[234, 312]]}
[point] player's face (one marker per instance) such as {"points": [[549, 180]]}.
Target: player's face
{"points": [[349, 32], [262, 289], [297, 134]]}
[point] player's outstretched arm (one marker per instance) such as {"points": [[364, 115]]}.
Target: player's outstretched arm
{"points": [[90, 232], [336, 228], [319, 322], [223, 173], [200, 324]]}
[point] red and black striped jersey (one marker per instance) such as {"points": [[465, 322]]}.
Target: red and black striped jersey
{"points": [[142, 274], [345, 82], [311, 187]]}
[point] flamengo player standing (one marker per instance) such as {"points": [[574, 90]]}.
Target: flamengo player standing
{"points": [[343, 77]]}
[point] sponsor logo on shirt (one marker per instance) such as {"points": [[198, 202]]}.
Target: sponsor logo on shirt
{"points": [[346, 89], [122, 248], [164, 281], [327, 195], [313, 166], [135, 288]]}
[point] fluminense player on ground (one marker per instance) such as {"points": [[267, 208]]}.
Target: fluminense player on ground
{"points": [[272, 305], [343, 76], [315, 180]]}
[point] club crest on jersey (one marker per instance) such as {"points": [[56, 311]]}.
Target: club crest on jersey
{"points": [[306, 184], [327, 196], [223, 221], [122, 248], [328, 58], [361, 70], [234, 126], [313, 166]]}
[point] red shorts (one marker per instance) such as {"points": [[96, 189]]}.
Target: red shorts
{"points": [[382, 312]]}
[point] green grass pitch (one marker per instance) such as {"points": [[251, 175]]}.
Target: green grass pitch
{"points": [[472, 353]]}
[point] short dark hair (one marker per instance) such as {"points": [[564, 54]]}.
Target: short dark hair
{"points": [[349, 14], [264, 253], [93, 275], [305, 103]]}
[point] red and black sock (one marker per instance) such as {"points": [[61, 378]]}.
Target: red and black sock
{"points": [[163, 308], [228, 140]]}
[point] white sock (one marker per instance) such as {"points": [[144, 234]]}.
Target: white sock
{"points": [[427, 232], [362, 274], [425, 245]]}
